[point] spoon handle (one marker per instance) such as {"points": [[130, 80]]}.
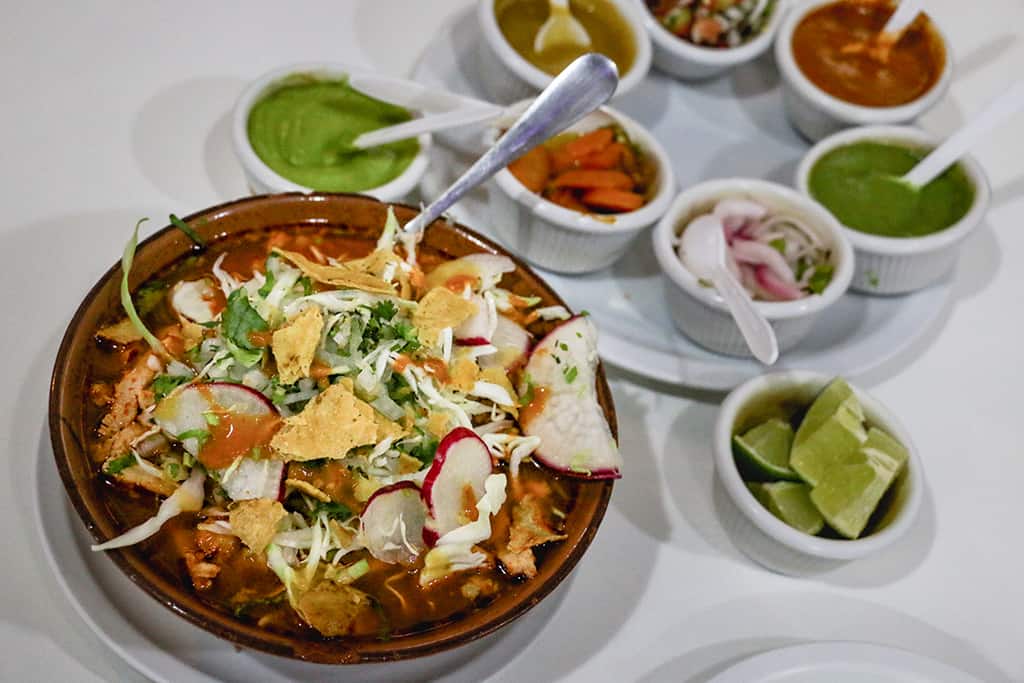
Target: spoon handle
{"points": [[756, 331], [906, 11], [940, 158], [581, 88], [427, 124]]}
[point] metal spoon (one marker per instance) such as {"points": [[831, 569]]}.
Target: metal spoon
{"points": [[582, 87], [704, 243]]}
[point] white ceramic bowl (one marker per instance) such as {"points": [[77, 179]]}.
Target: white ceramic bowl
{"points": [[896, 265], [507, 77], [699, 312], [816, 114], [687, 61], [767, 539], [263, 180], [567, 241]]}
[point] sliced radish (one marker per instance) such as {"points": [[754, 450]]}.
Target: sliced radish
{"points": [[195, 300], [454, 482], [392, 523], [186, 410], [512, 342], [479, 271], [252, 478], [478, 329], [574, 435], [491, 267]]}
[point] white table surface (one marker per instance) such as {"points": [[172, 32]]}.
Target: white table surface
{"points": [[112, 111]]}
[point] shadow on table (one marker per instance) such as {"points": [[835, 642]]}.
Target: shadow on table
{"points": [[711, 640], [181, 140]]}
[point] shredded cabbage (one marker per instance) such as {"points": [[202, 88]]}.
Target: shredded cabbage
{"points": [[186, 498], [126, 296]]}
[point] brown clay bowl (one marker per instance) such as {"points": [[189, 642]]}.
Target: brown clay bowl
{"points": [[359, 216]]}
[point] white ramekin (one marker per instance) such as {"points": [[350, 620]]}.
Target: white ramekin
{"points": [[815, 113], [896, 265], [687, 61], [507, 77], [700, 313], [767, 539], [567, 241], [263, 180]]}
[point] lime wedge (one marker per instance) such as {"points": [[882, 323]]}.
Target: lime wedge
{"points": [[824, 406], [790, 502], [762, 453], [837, 439], [848, 493]]}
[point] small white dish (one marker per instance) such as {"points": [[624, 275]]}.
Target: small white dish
{"points": [[686, 61], [261, 179], [768, 540], [567, 241], [841, 662], [897, 265], [700, 312], [817, 114], [507, 76]]}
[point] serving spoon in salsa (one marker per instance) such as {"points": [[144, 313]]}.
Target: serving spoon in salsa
{"points": [[902, 192], [583, 86], [560, 28], [881, 45]]}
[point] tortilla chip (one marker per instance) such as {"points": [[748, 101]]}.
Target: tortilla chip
{"points": [[529, 528], [120, 333], [294, 345], [439, 423], [308, 489], [440, 308], [255, 521], [378, 263], [463, 374], [341, 276], [408, 464], [192, 333], [330, 426]]}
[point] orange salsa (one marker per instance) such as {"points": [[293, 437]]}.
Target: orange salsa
{"points": [[837, 48]]}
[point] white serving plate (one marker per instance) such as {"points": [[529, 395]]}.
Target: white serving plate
{"points": [[841, 662], [732, 126]]}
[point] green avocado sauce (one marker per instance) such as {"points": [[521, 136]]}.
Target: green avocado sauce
{"points": [[304, 129], [860, 185]]}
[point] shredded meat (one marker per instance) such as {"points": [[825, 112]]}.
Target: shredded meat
{"points": [[204, 560], [479, 586], [125, 404], [529, 529], [101, 393], [120, 443], [136, 476], [200, 571]]}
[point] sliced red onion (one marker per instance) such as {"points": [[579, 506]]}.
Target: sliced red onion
{"points": [[756, 253], [768, 281]]}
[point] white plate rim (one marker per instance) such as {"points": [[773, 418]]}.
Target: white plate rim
{"points": [[809, 656]]}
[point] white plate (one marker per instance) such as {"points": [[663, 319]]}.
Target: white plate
{"points": [[164, 647], [841, 663], [733, 126]]}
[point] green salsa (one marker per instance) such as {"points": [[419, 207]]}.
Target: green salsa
{"points": [[860, 184], [304, 129]]}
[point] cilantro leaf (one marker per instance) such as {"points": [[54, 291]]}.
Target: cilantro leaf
{"points": [[779, 244], [268, 285], [820, 279], [165, 384], [570, 373], [338, 511], [240, 319]]}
